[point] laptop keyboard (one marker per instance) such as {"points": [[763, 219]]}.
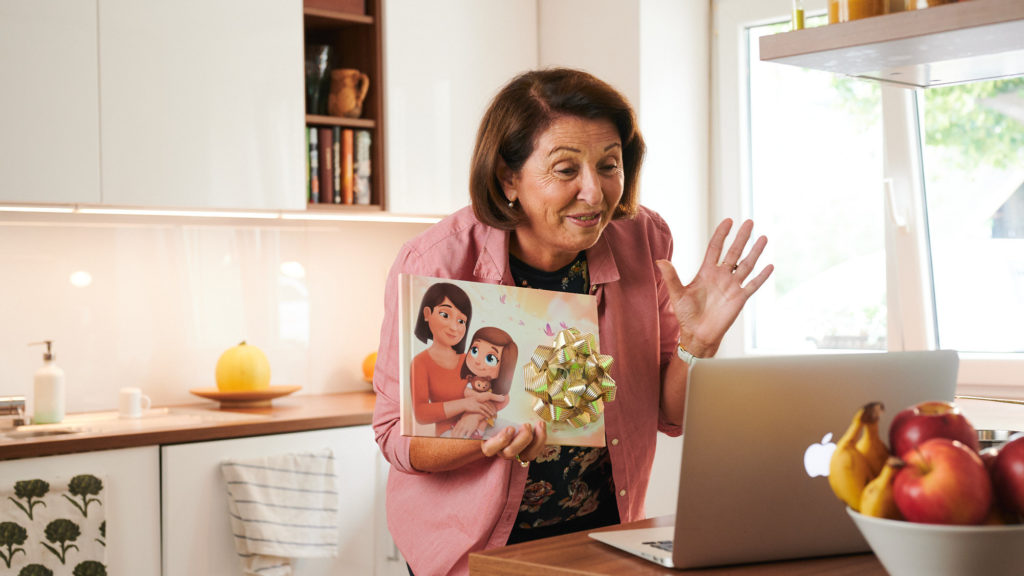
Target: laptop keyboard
{"points": [[665, 545]]}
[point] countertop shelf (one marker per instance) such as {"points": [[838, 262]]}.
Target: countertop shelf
{"points": [[949, 44], [291, 414]]}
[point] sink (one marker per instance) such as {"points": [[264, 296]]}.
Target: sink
{"points": [[111, 422], [41, 431]]}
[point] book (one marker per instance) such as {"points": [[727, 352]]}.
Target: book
{"points": [[526, 348], [338, 170], [361, 167], [325, 142], [314, 165], [346, 180]]}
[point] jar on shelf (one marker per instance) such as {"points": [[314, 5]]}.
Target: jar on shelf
{"points": [[846, 10]]}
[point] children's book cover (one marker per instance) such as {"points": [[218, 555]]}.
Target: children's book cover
{"points": [[478, 357]]}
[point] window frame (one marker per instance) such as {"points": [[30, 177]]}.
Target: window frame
{"points": [[911, 320]]}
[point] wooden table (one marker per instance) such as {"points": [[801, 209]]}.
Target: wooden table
{"points": [[579, 555]]}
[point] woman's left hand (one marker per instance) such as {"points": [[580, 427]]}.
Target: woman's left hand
{"points": [[707, 306]]}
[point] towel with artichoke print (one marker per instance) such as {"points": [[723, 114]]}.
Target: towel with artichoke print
{"points": [[53, 527]]}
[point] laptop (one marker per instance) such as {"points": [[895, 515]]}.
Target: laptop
{"points": [[753, 484]]}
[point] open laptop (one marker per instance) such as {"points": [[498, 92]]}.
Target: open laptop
{"points": [[753, 483]]}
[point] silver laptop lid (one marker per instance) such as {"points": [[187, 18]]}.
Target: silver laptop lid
{"points": [[753, 484]]}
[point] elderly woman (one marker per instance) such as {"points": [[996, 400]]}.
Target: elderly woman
{"points": [[554, 206]]}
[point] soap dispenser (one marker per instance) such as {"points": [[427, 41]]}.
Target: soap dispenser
{"points": [[48, 393]]}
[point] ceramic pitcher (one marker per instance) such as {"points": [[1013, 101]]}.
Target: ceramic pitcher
{"points": [[348, 90]]}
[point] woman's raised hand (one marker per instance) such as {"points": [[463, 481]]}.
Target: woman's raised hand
{"points": [[708, 305]]}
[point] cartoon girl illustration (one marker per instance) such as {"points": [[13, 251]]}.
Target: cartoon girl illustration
{"points": [[437, 388], [488, 369]]}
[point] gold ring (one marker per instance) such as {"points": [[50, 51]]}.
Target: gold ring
{"points": [[522, 462]]}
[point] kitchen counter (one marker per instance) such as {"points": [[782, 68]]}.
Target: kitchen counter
{"points": [[200, 422]]}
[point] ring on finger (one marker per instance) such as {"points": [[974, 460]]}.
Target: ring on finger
{"points": [[734, 267], [522, 462]]}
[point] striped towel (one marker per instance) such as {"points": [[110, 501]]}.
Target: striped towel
{"points": [[282, 507]]}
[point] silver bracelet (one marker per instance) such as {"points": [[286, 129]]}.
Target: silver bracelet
{"points": [[685, 355]]}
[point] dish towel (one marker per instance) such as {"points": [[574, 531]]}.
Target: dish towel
{"points": [[53, 526], [282, 507]]}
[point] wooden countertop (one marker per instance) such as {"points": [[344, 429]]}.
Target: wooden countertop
{"points": [[579, 555], [288, 414]]}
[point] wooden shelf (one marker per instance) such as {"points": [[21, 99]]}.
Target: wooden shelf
{"points": [[315, 119], [357, 42], [967, 41]]}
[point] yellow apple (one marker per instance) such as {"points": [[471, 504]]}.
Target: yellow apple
{"points": [[243, 367]]}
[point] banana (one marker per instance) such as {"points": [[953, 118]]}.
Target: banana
{"points": [[876, 499], [870, 443], [848, 470]]}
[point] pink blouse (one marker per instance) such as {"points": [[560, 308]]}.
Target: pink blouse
{"points": [[437, 519]]}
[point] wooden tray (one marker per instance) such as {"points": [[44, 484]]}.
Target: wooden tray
{"points": [[245, 398]]}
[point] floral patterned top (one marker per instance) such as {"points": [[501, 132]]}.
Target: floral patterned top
{"points": [[569, 488]]}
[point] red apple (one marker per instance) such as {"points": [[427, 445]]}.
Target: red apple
{"points": [[944, 482], [916, 424], [1008, 476]]}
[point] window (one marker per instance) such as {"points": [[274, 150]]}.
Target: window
{"points": [[895, 217]]}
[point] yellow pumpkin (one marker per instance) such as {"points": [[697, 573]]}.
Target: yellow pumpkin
{"points": [[243, 367]]}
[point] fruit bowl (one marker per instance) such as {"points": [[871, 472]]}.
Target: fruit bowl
{"points": [[911, 548]]}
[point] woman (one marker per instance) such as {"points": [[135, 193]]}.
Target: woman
{"points": [[554, 206]]}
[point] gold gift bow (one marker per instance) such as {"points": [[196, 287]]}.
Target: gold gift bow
{"points": [[570, 379]]}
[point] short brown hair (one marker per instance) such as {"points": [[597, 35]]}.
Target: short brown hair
{"points": [[526, 107]]}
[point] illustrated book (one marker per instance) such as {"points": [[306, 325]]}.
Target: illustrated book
{"points": [[476, 358]]}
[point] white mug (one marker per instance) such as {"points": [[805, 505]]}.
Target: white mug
{"points": [[132, 403]]}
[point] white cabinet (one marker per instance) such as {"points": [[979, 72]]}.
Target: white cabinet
{"points": [[197, 532], [438, 86], [131, 503], [202, 103], [49, 104]]}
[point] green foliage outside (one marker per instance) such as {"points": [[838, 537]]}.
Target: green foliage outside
{"points": [[12, 535], [83, 486], [35, 570], [61, 532], [90, 568], [27, 490]]}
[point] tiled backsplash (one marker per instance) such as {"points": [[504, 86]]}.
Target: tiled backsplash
{"points": [[152, 302]]}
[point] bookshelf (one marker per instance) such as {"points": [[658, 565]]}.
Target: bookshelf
{"points": [[354, 31]]}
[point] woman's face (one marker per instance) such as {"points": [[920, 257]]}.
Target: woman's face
{"points": [[447, 323], [568, 188], [484, 359]]}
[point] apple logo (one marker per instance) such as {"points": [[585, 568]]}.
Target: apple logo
{"points": [[818, 455]]}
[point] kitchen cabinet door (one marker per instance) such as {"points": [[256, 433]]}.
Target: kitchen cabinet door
{"points": [[49, 105], [202, 103], [197, 536], [439, 87], [131, 501]]}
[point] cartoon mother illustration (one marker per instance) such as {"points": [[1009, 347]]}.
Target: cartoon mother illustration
{"points": [[437, 387], [489, 367]]}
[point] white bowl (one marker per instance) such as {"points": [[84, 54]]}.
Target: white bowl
{"points": [[913, 549]]}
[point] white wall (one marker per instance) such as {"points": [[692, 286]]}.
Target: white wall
{"points": [[169, 295]]}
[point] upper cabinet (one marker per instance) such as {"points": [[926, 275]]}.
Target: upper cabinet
{"points": [[201, 103], [445, 61], [948, 44], [49, 106]]}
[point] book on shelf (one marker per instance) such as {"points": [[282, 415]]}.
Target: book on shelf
{"points": [[325, 141], [531, 355], [313, 160], [339, 169], [361, 167], [347, 160]]}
